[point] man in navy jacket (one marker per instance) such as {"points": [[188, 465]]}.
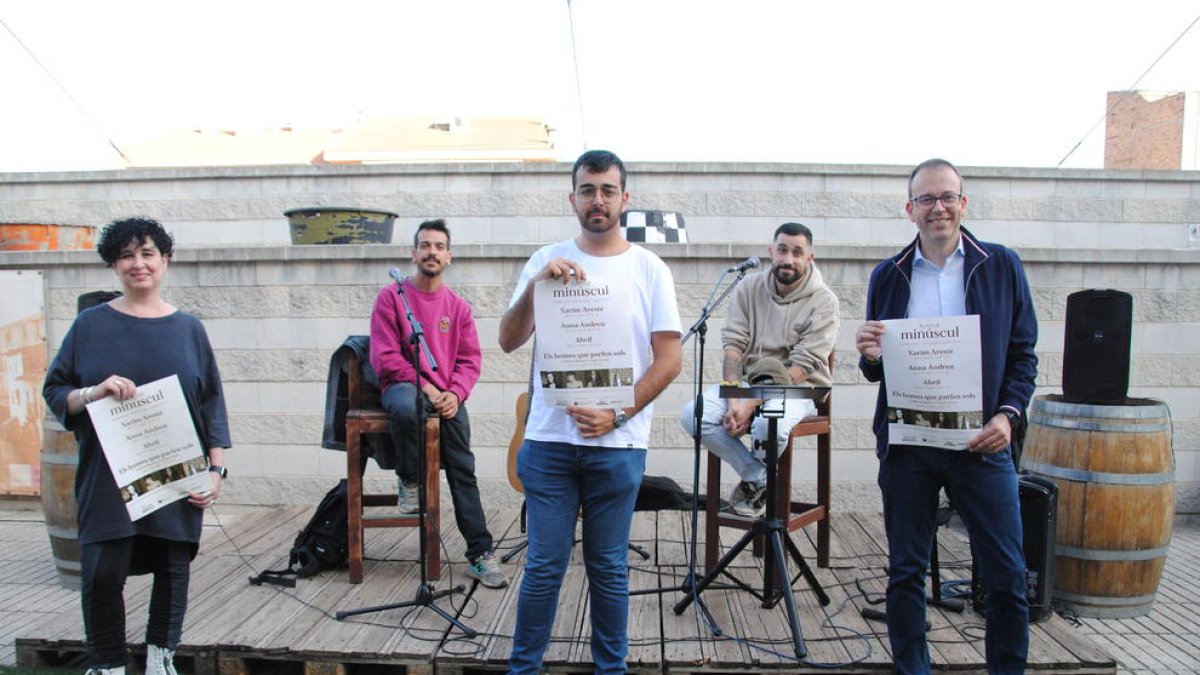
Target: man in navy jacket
{"points": [[946, 271]]}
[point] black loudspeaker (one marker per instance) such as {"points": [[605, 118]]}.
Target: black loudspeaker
{"points": [[1039, 525], [1039, 519], [1096, 349]]}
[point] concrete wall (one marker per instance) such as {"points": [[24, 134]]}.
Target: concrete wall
{"points": [[276, 312]]}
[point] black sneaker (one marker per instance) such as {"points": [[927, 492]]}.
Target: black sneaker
{"points": [[748, 499]]}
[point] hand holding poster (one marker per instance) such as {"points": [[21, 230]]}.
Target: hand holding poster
{"points": [[933, 372], [151, 446], [584, 342]]}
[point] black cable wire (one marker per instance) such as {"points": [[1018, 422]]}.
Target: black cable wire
{"points": [[64, 90], [462, 645], [1128, 91]]}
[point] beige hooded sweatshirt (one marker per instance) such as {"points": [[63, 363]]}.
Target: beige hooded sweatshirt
{"points": [[799, 329]]}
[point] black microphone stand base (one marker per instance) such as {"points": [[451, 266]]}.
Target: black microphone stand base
{"points": [[426, 597], [934, 598], [774, 533]]}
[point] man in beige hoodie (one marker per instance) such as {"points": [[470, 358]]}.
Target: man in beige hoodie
{"points": [[786, 313]]}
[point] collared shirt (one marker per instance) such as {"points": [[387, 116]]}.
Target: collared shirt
{"points": [[938, 291]]}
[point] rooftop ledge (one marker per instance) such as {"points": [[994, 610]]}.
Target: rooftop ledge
{"points": [[564, 168], [522, 251]]}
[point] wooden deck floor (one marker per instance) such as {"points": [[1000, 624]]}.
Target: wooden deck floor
{"points": [[233, 626]]}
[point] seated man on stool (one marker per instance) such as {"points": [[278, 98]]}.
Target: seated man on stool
{"points": [[786, 313], [450, 332]]}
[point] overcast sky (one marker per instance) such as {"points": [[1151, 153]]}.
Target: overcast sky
{"points": [[1015, 83]]}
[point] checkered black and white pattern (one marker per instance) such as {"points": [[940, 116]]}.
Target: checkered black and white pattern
{"points": [[653, 226]]}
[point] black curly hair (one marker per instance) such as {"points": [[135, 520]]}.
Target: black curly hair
{"points": [[119, 233]]}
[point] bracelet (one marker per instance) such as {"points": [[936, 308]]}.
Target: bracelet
{"points": [[85, 395]]}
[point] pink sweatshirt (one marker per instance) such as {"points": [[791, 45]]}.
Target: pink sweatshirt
{"points": [[449, 330]]}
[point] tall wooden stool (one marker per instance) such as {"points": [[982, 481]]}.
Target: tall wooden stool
{"points": [[798, 514], [365, 415]]}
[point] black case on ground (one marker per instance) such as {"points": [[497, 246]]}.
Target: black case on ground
{"points": [[1039, 521], [1039, 516]]}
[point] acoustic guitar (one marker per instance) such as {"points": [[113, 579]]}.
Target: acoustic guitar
{"points": [[521, 413]]}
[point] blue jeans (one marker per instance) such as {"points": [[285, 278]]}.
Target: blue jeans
{"points": [[559, 478], [983, 490], [457, 461], [718, 441]]}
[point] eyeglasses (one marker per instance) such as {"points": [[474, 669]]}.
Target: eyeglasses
{"points": [[927, 201], [607, 192]]}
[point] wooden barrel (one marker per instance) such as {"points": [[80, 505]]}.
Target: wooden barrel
{"points": [[1115, 471], [60, 459]]}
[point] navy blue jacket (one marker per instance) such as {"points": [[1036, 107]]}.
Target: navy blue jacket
{"points": [[998, 292]]}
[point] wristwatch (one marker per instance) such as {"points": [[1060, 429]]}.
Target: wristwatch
{"points": [[1013, 418], [219, 470], [619, 418]]}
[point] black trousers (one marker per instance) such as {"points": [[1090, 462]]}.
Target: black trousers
{"points": [[457, 461], [105, 567]]}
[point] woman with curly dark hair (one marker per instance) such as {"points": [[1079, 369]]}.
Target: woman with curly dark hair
{"points": [[110, 349]]}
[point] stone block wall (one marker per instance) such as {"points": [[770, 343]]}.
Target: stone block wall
{"points": [[276, 312]]}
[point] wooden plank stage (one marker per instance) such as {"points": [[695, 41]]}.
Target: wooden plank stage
{"points": [[236, 627]]}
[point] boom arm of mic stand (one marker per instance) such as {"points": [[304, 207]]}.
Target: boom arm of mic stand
{"points": [[707, 311], [418, 333]]}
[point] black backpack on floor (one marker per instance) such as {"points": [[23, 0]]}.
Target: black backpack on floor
{"points": [[323, 544]]}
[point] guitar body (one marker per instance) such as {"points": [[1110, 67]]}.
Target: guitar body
{"points": [[514, 445]]}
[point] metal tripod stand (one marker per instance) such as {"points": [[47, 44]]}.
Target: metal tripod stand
{"points": [[770, 526]]}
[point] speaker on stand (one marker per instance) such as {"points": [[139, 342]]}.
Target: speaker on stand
{"points": [[1096, 348]]}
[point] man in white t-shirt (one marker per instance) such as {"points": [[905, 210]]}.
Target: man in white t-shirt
{"points": [[583, 457]]}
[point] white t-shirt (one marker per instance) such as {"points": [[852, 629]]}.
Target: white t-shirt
{"points": [[653, 310]]}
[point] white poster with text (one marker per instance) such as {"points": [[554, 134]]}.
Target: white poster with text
{"points": [[584, 342], [151, 446], [934, 378]]}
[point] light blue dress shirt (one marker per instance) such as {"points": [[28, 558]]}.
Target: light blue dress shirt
{"points": [[938, 291]]}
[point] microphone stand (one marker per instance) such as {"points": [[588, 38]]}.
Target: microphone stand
{"points": [[426, 596], [700, 330]]}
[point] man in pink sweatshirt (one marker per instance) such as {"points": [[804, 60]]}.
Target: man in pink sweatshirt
{"points": [[449, 329]]}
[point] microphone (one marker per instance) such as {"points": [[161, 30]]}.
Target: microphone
{"points": [[396, 276], [747, 264]]}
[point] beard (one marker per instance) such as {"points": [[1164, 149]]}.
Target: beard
{"points": [[598, 221], [427, 272], [786, 276]]}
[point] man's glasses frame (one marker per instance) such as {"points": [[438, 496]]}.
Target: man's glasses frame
{"points": [[948, 200]]}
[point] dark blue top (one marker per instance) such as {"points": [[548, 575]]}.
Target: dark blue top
{"points": [[998, 292], [104, 342]]}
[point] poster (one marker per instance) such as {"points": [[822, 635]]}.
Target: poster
{"points": [[934, 377], [23, 361], [584, 342], [151, 446]]}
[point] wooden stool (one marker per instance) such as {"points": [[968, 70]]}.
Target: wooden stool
{"points": [[366, 416], [799, 514]]}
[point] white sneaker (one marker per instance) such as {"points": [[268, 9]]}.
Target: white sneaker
{"points": [[119, 670], [160, 661], [487, 570], [408, 497], [748, 499]]}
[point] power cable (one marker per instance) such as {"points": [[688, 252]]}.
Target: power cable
{"points": [[1127, 92], [578, 85], [54, 79]]}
